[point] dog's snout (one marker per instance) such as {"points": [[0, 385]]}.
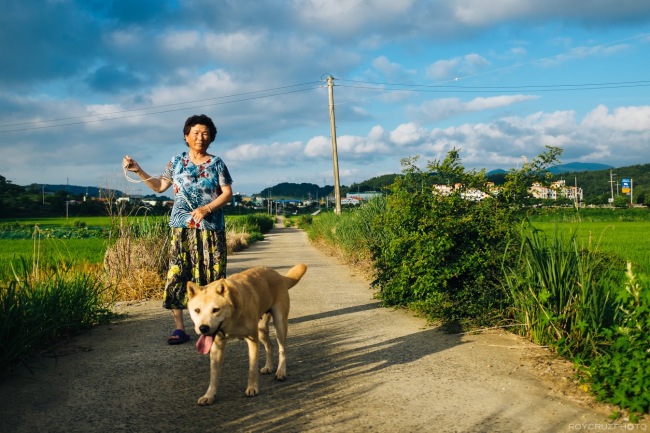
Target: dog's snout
{"points": [[204, 329]]}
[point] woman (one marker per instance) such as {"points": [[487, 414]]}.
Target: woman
{"points": [[202, 186]]}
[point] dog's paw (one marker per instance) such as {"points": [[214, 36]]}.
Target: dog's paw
{"points": [[280, 376], [252, 391], [266, 370], [206, 400]]}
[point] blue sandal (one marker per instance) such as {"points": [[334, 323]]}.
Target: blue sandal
{"points": [[178, 337]]}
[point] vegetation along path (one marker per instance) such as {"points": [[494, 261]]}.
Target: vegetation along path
{"points": [[352, 366]]}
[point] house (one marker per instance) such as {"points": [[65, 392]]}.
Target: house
{"points": [[558, 189], [362, 196], [351, 201]]}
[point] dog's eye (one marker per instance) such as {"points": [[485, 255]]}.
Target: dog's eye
{"points": [[215, 310], [197, 310]]}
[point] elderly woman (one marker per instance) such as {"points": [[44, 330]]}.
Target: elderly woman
{"points": [[202, 186]]}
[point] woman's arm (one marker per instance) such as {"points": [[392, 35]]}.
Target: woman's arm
{"points": [[157, 184], [224, 198]]}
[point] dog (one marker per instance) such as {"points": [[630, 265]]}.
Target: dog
{"points": [[241, 306]]}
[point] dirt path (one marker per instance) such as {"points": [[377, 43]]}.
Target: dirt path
{"points": [[352, 367]]}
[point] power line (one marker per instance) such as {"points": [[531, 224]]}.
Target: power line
{"points": [[92, 118], [436, 88]]}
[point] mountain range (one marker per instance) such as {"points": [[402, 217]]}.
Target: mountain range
{"points": [[571, 167]]}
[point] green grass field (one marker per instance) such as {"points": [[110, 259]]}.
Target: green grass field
{"points": [[89, 250], [90, 221], [629, 240]]}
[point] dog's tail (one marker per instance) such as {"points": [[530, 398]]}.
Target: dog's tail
{"points": [[295, 274]]}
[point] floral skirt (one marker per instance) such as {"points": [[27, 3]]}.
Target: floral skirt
{"points": [[195, 255]]}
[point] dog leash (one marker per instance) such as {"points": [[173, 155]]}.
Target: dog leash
{"points": [[180, 191]]}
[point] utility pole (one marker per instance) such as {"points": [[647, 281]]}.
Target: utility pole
{"points": [[335, 155], [611, 186]]}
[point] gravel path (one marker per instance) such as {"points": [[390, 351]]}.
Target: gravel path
{"points": [[352, 367]]}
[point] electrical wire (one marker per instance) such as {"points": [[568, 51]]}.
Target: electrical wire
{"points": [[493, 89], [92, 118]]}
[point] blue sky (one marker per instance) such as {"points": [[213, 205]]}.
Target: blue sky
{"points": [[83, 83]]}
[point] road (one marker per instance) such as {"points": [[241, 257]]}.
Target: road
{"points": [[353, 366]]}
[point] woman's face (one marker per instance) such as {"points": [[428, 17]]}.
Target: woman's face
{"points": [[198, 139]]}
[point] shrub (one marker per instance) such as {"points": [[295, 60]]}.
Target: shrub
{"points": [[254, 224], [440, 252], [621, 374]]}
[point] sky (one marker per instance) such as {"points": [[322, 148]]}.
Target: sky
{"points": [[85, 82]]}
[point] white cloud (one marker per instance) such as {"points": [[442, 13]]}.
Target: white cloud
{"points": [[582, 52], [278, 154], [500, 144], [457, 67], [391, 70], [630, 119], [180, 41], [438, 109], [319, 146], [407, 134], [345, 17]]}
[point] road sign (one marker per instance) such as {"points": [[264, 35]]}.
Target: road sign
{"points": [[625, 186]]}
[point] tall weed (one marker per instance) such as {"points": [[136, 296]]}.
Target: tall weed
{"points": [[563, 295], [353, 232], [136, 260], [37, 312]]}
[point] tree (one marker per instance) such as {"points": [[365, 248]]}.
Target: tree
{"points": [[518, 181]]}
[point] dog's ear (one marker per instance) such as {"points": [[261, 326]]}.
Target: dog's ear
{"points": [[192, 289], [218, 286], [231, 295]]}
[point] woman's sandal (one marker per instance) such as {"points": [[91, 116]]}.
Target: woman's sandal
{"points": [[178, 337]]}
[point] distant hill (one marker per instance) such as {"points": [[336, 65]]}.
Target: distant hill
{"points": [[378, 183], [571, 167], [302, 191], [576, 167], [91, 191]]}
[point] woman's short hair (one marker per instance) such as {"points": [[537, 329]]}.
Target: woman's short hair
{"points": [[200, 119]]}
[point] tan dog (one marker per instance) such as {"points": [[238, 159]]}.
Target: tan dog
{"points": [[241, 306]]}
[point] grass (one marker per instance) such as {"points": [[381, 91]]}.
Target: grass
{"points": [[89, 250], [562, 293], [628, 240], [38, 309], [90, 221]]}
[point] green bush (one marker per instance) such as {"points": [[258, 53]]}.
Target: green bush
{"points": [[36, 312], [440, 253], [621, 374], [254, 224]]}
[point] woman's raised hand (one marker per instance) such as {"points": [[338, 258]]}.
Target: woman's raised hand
{"points": [[130, 164]]}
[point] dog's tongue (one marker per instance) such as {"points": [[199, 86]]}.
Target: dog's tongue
{"points": [[204, 344]]}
